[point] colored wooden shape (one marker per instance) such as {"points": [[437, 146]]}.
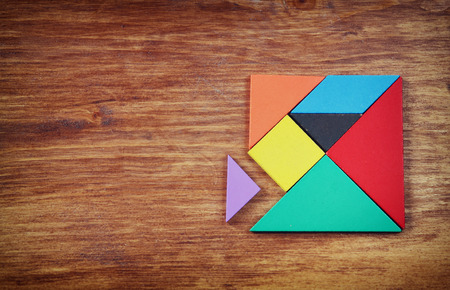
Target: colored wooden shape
{"points": [[286, 153], [272, 97], [325, 129], [240, 188], [371, 153], [345, 94], [325, 200]]}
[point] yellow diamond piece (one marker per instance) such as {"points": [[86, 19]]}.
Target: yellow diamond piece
{"points": [[286, 153]]}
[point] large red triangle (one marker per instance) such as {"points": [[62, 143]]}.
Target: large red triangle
{"points": [[272, 97], [371, 153]]}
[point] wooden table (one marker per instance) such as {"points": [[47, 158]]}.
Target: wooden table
{"points": [[116, 119]]}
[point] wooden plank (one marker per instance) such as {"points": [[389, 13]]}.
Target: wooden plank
{"points": [[116, 120]]}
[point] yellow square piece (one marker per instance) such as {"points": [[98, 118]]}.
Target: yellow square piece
{"points": [[286, 153]]}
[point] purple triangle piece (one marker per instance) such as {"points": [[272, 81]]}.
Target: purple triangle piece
{"points": [[240, 188]]}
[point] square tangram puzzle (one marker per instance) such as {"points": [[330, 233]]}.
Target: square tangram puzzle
{"points": [[335, 145]]}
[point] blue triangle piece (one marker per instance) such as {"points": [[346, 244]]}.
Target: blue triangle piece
{"points": [[345, 94], [325, 200], [240, 188]]}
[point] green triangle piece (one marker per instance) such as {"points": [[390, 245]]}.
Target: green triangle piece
{"points": [[325, 199]]}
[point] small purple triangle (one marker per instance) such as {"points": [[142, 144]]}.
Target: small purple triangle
{"points": [[240, 188]]}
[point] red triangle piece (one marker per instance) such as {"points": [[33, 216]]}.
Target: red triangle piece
{"points": [[272, 97], [371, 153]]}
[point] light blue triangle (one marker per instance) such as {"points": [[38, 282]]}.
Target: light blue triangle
{"points": [[325, 200], [345, 94]]}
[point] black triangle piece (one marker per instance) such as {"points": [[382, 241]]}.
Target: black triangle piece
{"points": [[325, 129]]}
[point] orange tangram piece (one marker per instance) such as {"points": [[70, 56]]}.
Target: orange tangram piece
{"points": [[272, 97]]}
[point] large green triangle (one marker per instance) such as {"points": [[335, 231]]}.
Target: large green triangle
{"points": [[325, 199]]}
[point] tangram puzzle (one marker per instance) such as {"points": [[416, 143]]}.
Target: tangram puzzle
{"points": [[335, 145]]}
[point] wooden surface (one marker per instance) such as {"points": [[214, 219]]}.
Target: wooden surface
{"points": [[116, 119]]}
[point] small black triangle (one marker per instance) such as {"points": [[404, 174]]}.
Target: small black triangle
{"points": [[325, 129]]}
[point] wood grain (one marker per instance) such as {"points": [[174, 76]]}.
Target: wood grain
{"points": [[116, 118]]}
